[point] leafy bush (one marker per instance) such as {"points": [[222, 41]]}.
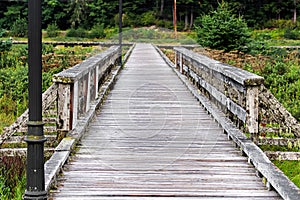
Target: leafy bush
{"points": [[148, 18], [3, 33], [79, 33], [291, 34], [222, 30], [164, 24], [47, 48], [5, 45], [12, 177], [19, 28], [14, 83], [282, 78], [282, 24], [97, 31], [256, 47], [52, 30]]}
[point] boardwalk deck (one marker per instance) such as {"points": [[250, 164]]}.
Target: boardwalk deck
{"points": [[152, 140]]}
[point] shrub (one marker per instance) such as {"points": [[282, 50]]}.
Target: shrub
{"points": [[97, 31], [52, 30], [256, 47], [3, 32], [12, 177], [164, 24], [5, 45], [148, 18], [47, 49], [80, 33], [222, 30], [291, 34], [281, 24], [19, 28]]}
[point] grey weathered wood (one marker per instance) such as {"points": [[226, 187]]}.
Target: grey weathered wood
{"points": [[19, 151], [55, 163], [286, 188], [78, 86], [275, 112], [233, 89], [48, 97], [152, 139]]}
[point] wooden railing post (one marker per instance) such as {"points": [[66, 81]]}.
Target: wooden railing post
{"points": [[65, 104], [233, 90], [179, 61], [252, 104], [78, 87]]}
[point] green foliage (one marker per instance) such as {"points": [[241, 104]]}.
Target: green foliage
{"points": [[291, 34], [13, 89], [148, 18], [268, 34], [281, 71], [47, 48], [291, 169], [12, 177], [256, 47], [19, 28], [282, 78], [5, 45], [281, 24], [287, 148], [78, 33], [97, 31], [164, 24], [222, 30], [52, 30]]}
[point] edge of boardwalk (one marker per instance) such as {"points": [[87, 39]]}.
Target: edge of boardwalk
{"points": [[275, 179]]}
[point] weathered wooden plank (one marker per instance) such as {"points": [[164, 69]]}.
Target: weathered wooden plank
{"points": [[160, 198], [152, 139], [192, 193], [275, 177]]}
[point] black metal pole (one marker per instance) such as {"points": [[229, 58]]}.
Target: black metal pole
{"points": [[35, 188], [120, 29]]}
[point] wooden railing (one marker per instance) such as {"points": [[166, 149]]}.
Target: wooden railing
{"points": [[78, 86], [64, 102], [15, 133], [233, 90], [271, 176]]}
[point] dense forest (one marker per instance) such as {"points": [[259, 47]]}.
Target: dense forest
{"points": [[85, 14]]}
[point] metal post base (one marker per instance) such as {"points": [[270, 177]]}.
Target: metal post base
{"points": [[38, 195]]}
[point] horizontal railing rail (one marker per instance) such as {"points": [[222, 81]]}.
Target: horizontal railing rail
{"points": [[63, 43], [232, 89], [270, 174], [78, 86], [49, 98]]}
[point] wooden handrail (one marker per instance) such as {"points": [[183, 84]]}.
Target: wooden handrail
{"points": [[233, 90], [78, 86]]}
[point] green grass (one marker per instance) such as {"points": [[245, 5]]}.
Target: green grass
{"points": [[280, 148], [274, 37], [291, 169]]}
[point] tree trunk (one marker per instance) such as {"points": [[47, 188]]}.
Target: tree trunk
{"points": [[295, 11], [192, 19], [186, 20], [162, 2]]}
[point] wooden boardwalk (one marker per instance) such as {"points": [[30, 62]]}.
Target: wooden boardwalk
{"points": [[152, 140]]}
